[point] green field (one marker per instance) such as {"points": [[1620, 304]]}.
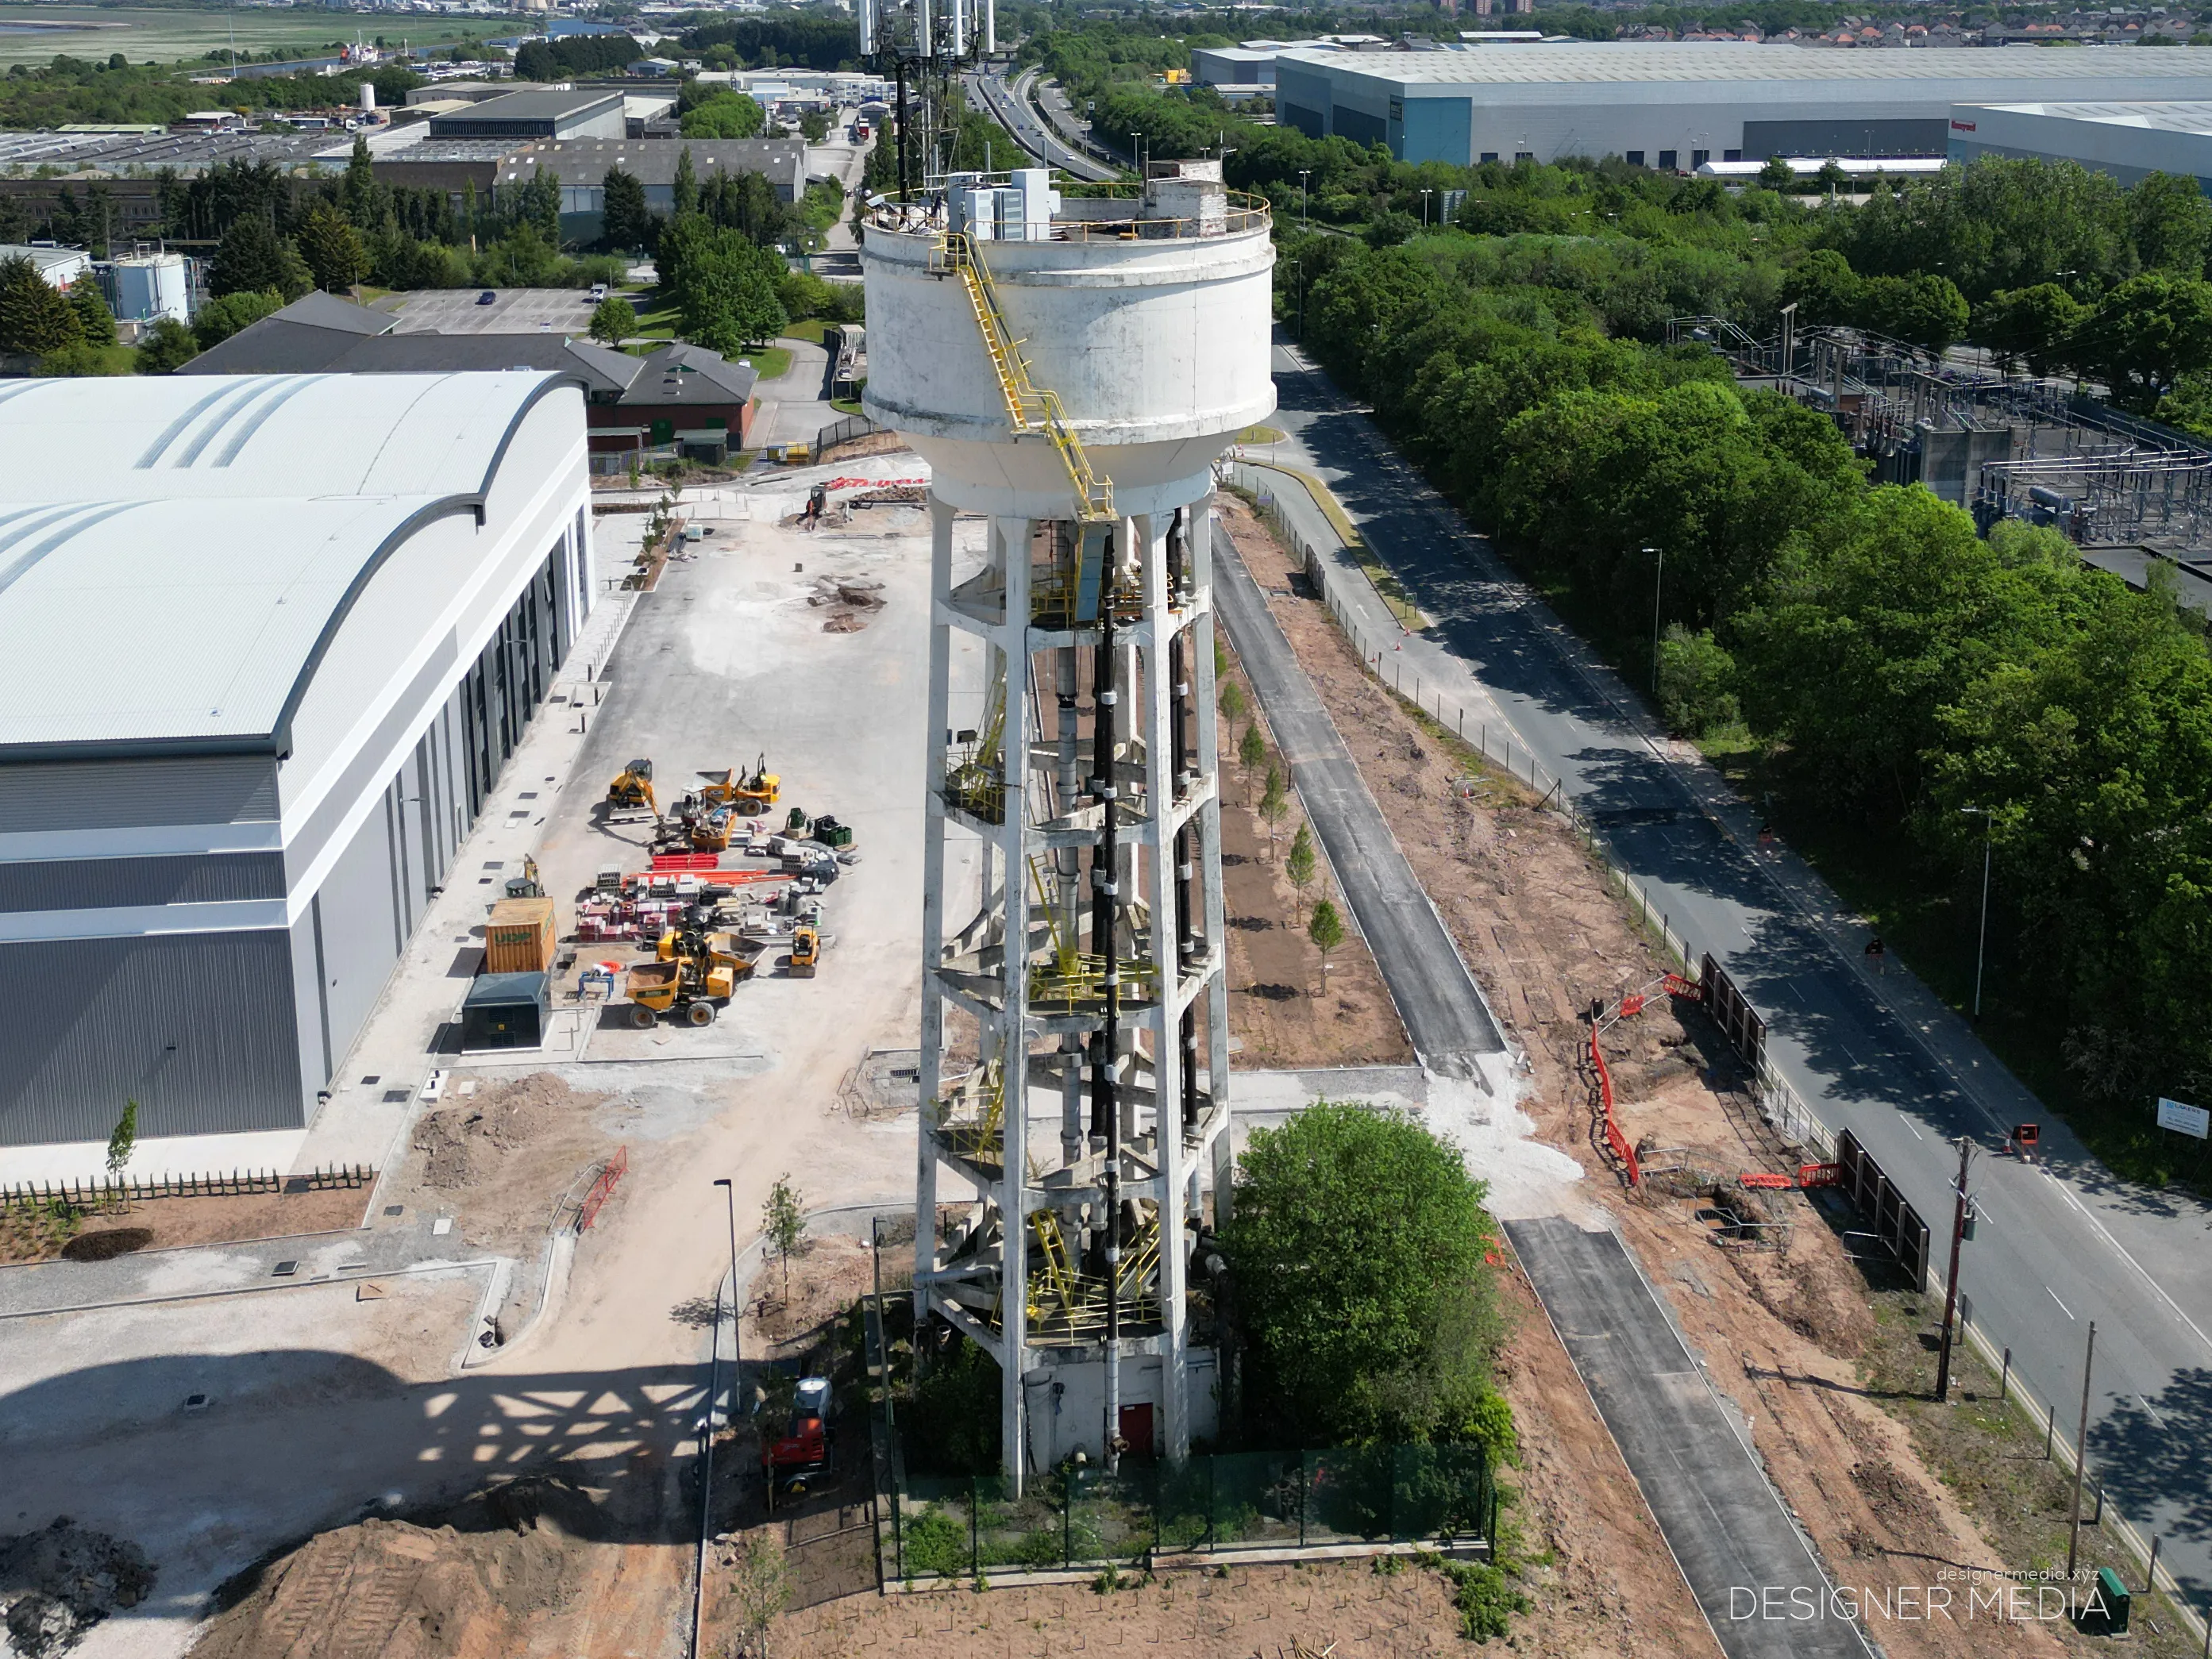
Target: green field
{"points": [[171, 33]]}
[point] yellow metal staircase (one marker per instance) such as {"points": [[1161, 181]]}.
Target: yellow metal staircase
{"points": [[1030, 408]]}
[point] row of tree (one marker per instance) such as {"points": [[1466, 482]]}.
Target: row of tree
{"points": [[1902, 669]]}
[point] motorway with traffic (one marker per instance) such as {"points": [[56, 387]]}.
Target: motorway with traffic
{"points": [[2060, 1242], [1013, 108]]}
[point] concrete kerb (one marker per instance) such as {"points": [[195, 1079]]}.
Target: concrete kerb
{"points": [[418, 1269]]}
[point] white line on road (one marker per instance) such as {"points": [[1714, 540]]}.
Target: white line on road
{"points": [[2063, 1308], [2151, 1410]]}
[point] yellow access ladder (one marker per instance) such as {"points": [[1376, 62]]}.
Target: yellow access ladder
{"points": [[1029, 407]]}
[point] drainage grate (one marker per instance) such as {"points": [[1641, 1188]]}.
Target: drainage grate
{"points": [[395, 1209], [284, 1270], [372, 1080], [393, 1096]]}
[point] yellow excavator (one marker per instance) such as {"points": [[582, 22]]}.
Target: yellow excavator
{"points": [[632, 791]]}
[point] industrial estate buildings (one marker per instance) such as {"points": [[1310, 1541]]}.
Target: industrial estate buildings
{"points": [[273, 638], [1678, 105], [2128, 141]]}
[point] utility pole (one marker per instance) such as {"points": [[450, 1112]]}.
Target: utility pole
{"points": [[1658, 577], [1960, 1210], [2080, 1456], [1304, 174]]}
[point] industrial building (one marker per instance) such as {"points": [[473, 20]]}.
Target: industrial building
{"points": [[582, 166], [273, 639], [585, 113], [680, 400], [1676, 105], [2129, 141], [1073, 767]]}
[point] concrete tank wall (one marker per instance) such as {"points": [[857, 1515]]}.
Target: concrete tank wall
{"points": [[1158, 350]]}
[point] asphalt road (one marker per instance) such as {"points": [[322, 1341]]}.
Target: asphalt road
{"points": [[2059, 1244], [1012, 107], [1445, 1013], [1723, 1521]]}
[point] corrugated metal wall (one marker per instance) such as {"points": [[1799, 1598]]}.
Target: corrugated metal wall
{"points": [[124, 794], [196, 1028], [105, 883]]}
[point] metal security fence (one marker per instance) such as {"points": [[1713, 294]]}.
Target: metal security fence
{"points": [[1085, 1517], [844, 431]]}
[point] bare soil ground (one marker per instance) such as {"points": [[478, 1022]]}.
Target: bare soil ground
{"points": [[161, 1223], [536, 1568], [499, 1154], [1279, 1012], [1783, 1331]]}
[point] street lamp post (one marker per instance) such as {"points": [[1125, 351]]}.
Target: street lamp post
{"points": [[1658, 577], [1425, 194], [1981, 944], [707, 1423], [1304, 174]]}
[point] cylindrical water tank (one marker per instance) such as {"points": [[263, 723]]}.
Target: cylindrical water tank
{"points": [[369, 98], [1149, 318], [151, 285]]}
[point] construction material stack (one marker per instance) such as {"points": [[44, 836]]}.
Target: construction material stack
{"points": [[1072, 370]]}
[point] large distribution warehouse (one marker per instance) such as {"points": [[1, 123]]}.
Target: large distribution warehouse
{"points": [[1679, 104], [2129, 141], [272, 638]]}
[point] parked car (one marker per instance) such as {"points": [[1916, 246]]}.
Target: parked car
{"points": [[486, 297]]}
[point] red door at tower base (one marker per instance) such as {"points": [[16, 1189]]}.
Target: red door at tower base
{"points": [[1136, 1429]]}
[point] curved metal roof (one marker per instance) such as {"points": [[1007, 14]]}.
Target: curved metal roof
{"points": [[176, 553]]}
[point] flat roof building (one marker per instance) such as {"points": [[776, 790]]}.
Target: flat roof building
{"points": [[2129, 141], [582, 166], [582, 113], [272, 640], [1679, 104]]}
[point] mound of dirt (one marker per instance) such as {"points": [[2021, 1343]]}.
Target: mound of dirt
{"points": [[57, 1584], [466, 1143], [480, 1580]]}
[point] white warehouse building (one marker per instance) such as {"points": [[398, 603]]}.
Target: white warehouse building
{"points": [[2129, 141], [1677, 105], [272, 639]]}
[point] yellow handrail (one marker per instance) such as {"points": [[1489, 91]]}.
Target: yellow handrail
{"points": [[1029, 407]]}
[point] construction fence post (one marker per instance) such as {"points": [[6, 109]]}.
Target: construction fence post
{"points": [[975, 1528]]}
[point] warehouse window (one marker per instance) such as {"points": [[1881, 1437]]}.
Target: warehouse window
{"points": [[1731, 156], [1667, 161], [1490, 156], [1700, 157], [1634, 158]]}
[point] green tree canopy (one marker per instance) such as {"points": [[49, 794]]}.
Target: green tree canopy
{"points": [[627, 223], [613, 320], [726, 115], [33, 316], [335, 252], [166, 347], [1356, 1249], [252, 258]]}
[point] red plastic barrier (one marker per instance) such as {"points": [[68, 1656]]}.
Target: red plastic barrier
{"points": [[1819, 1174], [1766, 1182], [1614, 1137], [680, 863], [602, 1189]]}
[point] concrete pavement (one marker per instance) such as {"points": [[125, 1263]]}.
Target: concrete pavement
{"points": [[2060, 1244]]}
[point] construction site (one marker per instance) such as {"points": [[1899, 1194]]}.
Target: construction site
{"points": [[715, 1104]]}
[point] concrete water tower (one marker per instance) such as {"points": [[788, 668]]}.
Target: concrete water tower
{"points": [[1071, 369]]}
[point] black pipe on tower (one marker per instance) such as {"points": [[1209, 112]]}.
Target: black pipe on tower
{"points": [[1181, 769], [1105, 1110]]}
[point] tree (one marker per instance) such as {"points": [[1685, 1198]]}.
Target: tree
{"points": [[1231, 701], [1301, 866], [2036, 324], [1824, 289], [784, 1220], [726, 115], [1696, 680], [34, 317], [626, 221], [685, 189], [1924, 310], [2169, 223], [1274, 804], [1778, 174], [814, 126], [1326, 930], [614, 319], [165, 346], [122, 1142], [1356, 1244], [94, 321], [224, 316], [333, 249], [1251, 749], [252, 258], [759, 1589], [2145, 335]]}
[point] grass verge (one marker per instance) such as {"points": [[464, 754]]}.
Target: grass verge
{"points": [[1380, 576], [769, 362], [1990, 1452]]}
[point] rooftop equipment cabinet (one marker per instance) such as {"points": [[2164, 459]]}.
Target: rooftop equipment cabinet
{"points": [[507, 1011]]}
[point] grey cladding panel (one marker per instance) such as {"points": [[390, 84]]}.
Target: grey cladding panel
{"points": [[122, 794], [105, 884], [1925, 136], [196, 1028]]}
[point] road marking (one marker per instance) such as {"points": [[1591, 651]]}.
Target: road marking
{"points": [[1909, 1124], [2152, 1411], [2063, 1308]]}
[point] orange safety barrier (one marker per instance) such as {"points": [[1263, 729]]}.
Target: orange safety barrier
{"points": [[1809, 1175], [1673, 985]]}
